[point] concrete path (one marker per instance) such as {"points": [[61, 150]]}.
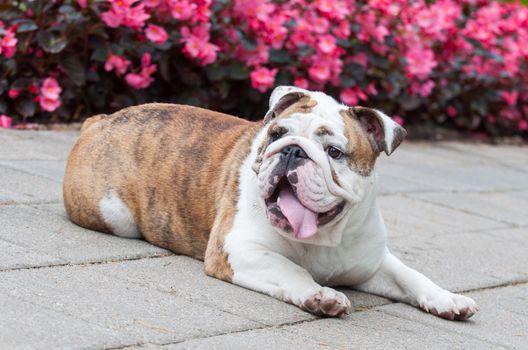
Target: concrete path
{"points": [[457, 212]]}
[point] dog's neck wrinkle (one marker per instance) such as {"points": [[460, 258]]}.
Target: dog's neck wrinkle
{"points": [[360, 214]]}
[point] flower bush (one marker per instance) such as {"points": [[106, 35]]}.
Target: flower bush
{"points": [[461, 63]]}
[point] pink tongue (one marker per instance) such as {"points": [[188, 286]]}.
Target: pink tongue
{"points": [[302, 220]]}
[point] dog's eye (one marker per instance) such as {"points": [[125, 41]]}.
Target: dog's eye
{"points": [[274, 136], [334, 152]]}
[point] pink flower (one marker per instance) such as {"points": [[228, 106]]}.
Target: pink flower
{"points": [[510, 97], [49, 104], [142, 79], [33, 88], [138, 81], [5, 121], [326, 44], [352, 95], [81, 3], [112, 19], [8, 43], [523, 125], [342, 31], [197, 44], [181, 9], [371, 89], [120, 64], [360, 58], [123, 12], [422, 89], [156, 34], [451, 111], [49, 95], [13, 93], [301, 82], [398, 119], [319, 72], [420, 62], [348, 96], [263, 78], [151, 3], [50, 89]]}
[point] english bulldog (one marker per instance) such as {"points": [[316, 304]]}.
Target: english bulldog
{"points": [[286, 206]]}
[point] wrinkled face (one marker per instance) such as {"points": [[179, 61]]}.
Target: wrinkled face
{"points": [[314, 164]]}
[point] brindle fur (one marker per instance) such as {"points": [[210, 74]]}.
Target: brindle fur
{"points": [[180, 184]]}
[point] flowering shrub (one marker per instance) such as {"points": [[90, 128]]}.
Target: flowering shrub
{"points": [[463, 63]]}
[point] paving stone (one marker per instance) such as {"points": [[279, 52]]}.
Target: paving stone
{"points": [[509, 207], [27, 144], [184, 277], [431, 153], [363, 301], [393, 179], [463, 261], [412, 217], [502, 319], [138, 313], [20, 187], [25, 325], [14, 257], [49, 169], [363, 330], [54, 235], [373, 330], [262, 339], [506, 155], [453, 177]]}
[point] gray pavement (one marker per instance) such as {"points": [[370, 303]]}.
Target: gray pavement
{"points": [[457, 212]]}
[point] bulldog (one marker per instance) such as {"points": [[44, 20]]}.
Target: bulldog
{"points": [[286, 206]]}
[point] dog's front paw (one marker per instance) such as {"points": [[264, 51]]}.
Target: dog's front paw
{"points": [[448, 305], [327, 302]]}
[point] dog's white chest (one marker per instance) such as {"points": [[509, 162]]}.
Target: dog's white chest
{"points": [[350, 263]]}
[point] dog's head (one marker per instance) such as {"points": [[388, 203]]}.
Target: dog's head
{"points": [[316, 158]]}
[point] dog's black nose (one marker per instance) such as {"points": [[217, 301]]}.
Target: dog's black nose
{"points": [[294, 152]]}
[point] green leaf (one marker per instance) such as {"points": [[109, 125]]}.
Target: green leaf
{"points": [[347, 81], [51, 42], [164, 67], [26, 25], [279, 56], [11, 67], [238, 71], [3, 106], [25, 107], [3, 86], [344, 43], [215, 72], [21, 83], [283, 78], [100, 54], [74, 69], [409, 102], [249, 44]]}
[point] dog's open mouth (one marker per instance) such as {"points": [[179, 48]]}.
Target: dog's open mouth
{"points": [[286, 211]]}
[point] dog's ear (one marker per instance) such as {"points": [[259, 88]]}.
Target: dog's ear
{"points": [[281, 98], [384, 133]]}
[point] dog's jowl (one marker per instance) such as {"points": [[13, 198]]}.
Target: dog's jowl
{"points": [[286, 206]]}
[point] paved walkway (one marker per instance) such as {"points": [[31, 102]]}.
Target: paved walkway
{"points": [[457, 212]]}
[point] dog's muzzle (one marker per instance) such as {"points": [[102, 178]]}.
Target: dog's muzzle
{"points": [[295, 192]]}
